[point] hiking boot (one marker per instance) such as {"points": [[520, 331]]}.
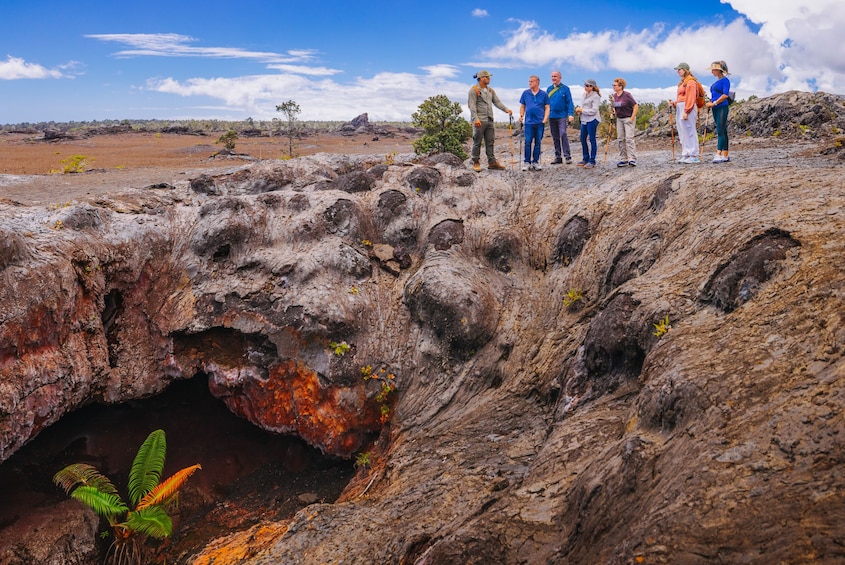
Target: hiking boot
{"points": [[590, 166], [622, 164], [582, 163], [569, 160], [557, 161], [476, 166], [495, 166]]}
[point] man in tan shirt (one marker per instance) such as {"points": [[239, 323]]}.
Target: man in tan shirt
{"points": [[481, 101]]}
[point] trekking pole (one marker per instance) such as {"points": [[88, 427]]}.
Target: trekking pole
{"points": [[510, 135], [704, 133], [609, 132], [672, 129]]}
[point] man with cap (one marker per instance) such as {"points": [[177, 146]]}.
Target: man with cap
{"points": [[481, 101]]}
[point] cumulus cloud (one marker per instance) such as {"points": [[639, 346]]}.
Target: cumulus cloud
{"points": [[797, 46], [14, 68], [385, 96], [479, 13]]}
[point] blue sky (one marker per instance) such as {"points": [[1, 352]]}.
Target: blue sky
{"points": [[180, 59]]}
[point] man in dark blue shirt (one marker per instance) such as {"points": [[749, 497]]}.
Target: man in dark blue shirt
{"points": [[534, 113]]}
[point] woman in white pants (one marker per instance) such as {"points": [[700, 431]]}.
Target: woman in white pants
{"points": [[686, 114]]}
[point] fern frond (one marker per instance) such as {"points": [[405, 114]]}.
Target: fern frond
{"points": [[167, 489], [83, 474], [109, 506], [147, 466], [151, 521]]}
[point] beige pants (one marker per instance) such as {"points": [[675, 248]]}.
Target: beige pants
{"points": [[625, 135]]}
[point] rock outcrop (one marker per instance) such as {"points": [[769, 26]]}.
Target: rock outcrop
{"points": [[682, 405]]}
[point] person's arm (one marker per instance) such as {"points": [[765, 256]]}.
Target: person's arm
{"points": [[498, 104], [634, 113], [522, 112], [472, 102], [546, 115], [690, 94]]}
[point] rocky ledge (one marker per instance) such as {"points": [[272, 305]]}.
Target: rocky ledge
{"points": [[639, 365]]}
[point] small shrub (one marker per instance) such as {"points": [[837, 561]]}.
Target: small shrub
{"points": [[572, 297], [340, 348], [228, 140], [74, 164], [662, 327], [363, 460], [388, 386]]}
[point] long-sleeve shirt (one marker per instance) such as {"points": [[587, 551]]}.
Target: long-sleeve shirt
{"points": [[481, 102], [560, 100], [687, 93], [590, 107]]}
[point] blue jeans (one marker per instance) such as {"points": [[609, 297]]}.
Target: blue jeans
{"points": [[533, 134], [589, 129]]}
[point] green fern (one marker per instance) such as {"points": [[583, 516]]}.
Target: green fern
{"points": [[150, 498], [147, 466]]}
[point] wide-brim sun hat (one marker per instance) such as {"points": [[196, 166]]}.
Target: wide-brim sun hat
{"points": [[590, 82], [481, 74], [719, 67], [682, 66]]}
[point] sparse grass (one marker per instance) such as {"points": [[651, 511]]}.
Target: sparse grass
{"points": [[74, 164], [572, 297]]}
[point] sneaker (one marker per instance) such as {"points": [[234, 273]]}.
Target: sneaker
{"points": [[622, 164], [557, 161], [582, 163], [632, 163], [590, 166], [476, 166], [569, 160], [525, 167], [726, 159], [495, 166], [691, 160], [537, 167]]}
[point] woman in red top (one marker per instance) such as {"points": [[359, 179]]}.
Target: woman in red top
{"points": [[686, 114]]}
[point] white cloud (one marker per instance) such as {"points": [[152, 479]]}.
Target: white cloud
{"points": [[14, 68], [798, 46], [175, 45], [301, 69], [384, 96], [479, 13]]}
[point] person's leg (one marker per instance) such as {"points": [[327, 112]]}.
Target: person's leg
{"points": [[620, 139], [477, 136], [630, 144], [555, 125], [490, 141], [539, 131], [687, 133], [529, 137], [679, 126], [592, 127], [720, 119], [584, 151], [564, 140]]}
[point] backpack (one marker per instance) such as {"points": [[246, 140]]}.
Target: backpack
{"points": [[731, 97], [699, 100]]}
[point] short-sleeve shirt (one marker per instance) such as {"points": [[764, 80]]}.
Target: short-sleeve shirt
{"points": [[535, 105]]}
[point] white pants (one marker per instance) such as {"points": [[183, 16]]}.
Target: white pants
{"points": [[687, 134]]}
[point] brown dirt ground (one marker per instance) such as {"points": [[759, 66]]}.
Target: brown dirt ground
{"points": [[30, 168]]}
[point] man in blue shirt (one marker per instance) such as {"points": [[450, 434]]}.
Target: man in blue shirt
{"points": [[534, 113], [561, 114]]}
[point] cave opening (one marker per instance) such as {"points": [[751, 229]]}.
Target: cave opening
{"points": [[248, 475]]}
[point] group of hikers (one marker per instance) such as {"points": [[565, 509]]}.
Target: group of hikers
{"points": [[555, 107]]}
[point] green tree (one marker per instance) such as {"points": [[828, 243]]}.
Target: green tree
{"points": [[291, 110], [228, 139], [445, 129], [150, 498], [644, 114]]}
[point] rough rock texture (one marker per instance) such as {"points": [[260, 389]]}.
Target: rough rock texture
{"points": [[521, 431], [63, 535]]}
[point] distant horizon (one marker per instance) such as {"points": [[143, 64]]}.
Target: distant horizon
{"points": [[189, 61]]}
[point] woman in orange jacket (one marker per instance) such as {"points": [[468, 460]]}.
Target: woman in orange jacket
{"points": [[686, 114]]}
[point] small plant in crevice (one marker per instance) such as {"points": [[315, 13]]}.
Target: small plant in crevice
{"points": [[390, 159], [74, 164], [572, 297], [339, 348], [662, 327], [388, 387], [363, 460], [151, 498]]}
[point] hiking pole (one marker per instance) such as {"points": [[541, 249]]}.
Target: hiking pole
{"points": [[510, 135], [672, 129], [704, 133], [609, 132]]}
